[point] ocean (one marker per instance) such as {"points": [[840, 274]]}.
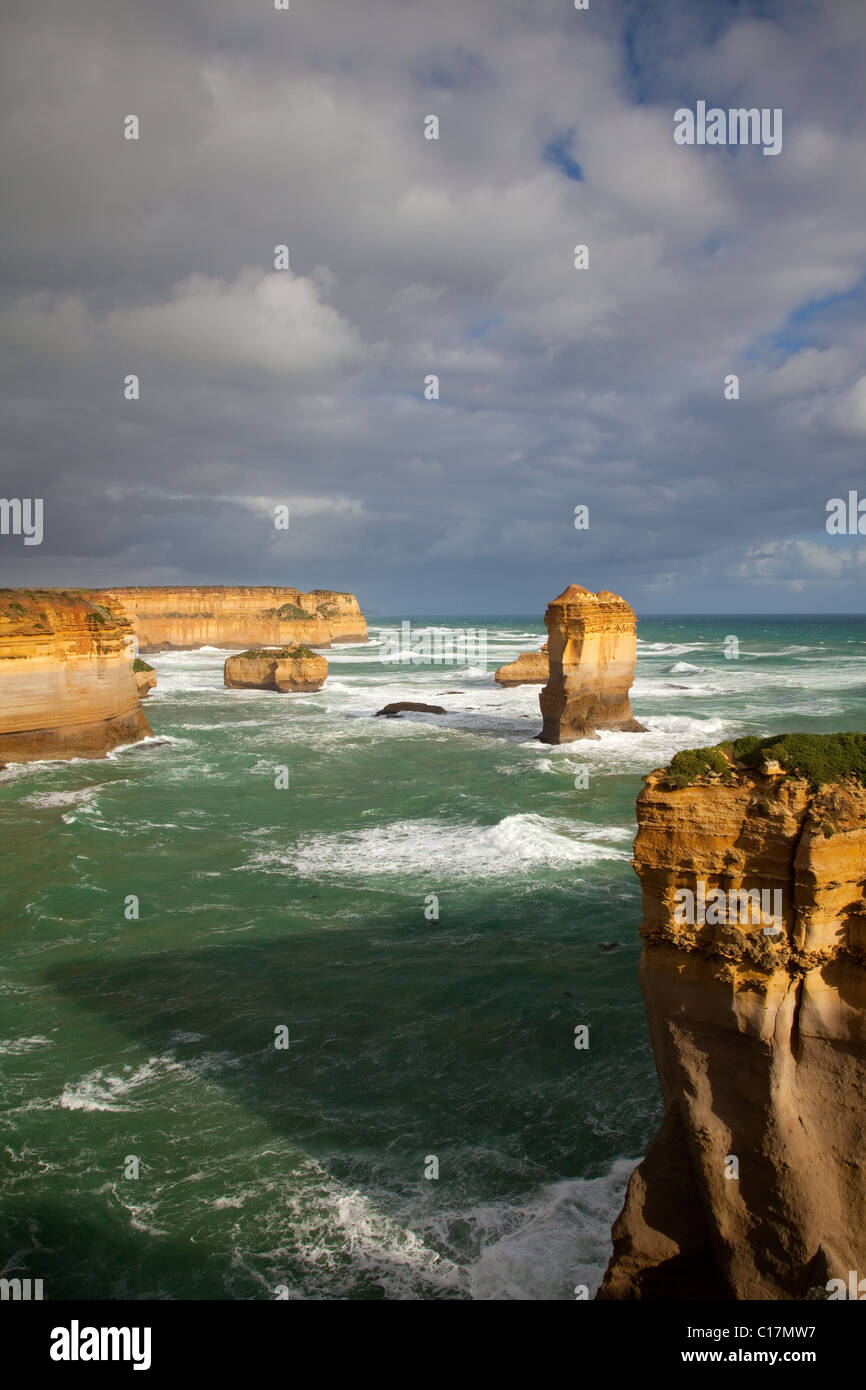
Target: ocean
{"points": [[426, 913]]}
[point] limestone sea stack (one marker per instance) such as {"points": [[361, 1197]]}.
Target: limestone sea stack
{"points": [[67, 686], [592, 647], [755, 1185], [530, 668], [290, 668], [219, 616]]}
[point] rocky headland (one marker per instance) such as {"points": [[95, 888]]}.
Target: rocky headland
{"points": [[752, 862], [145, 677], [67, 685], [284, 669], [219, 616], [592, 648], [530, 668]]}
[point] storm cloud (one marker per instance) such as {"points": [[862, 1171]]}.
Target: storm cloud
{"points": [[455, 257]]}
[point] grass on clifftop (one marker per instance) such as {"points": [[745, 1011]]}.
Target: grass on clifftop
{"points": [[284, 654], [139, 665], [290, 613], [820, 758], [691, 764]]}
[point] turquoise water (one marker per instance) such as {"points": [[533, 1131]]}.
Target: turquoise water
{"points": [[410, 1039]]}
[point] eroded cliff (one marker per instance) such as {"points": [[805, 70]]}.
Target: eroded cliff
{"points": [[220, 616], [753, 870], [67, 686], [592, 647]]}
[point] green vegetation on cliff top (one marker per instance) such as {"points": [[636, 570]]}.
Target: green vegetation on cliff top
{"points": [[139, 665], [820, 758], [283, 654], [289, 613]]}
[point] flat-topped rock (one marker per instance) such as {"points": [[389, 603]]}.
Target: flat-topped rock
{"points": [[530, 668], [283, 669]]}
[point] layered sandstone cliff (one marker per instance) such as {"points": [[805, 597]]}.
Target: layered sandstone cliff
{"points": [[220, 616], [67, 687], [755, 1185], [592, 647], [291, 668], [530, 668]]}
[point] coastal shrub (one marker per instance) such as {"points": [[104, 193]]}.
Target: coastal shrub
{"points": [[820, 758], [289, 612], [691, 764], [283, 654], [139, 665], [743, 748]]}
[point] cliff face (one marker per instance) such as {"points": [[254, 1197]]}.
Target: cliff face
{"points": [[67, 687], [291, 669], [592, 647], [530, 668], [755, 1185], [216, 616]]}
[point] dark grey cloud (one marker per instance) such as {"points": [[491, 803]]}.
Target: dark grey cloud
{"points": [[453, 257]]}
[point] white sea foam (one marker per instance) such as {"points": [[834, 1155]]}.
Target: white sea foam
{"points": [[536, 1249], [685, 668], [18, 1047], [669, 648], [148, 739], [413, 847], [669, 691], [45, 800], [99, 1090], [559, 1239], [345, 1237]]}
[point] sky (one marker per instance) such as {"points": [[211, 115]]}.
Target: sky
{"points": [[559, 387]]}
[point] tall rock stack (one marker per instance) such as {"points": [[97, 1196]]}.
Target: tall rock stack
{"points": [[755, 1185], [592, 647]]}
